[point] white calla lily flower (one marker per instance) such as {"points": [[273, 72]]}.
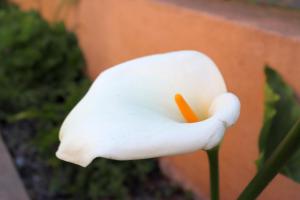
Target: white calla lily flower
{"points": [[130, 112]]}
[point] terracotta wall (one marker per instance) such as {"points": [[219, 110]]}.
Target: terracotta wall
{"points": [[239, 38]]}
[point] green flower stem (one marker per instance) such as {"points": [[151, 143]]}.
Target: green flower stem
{"points": [[273, 165], [213, 157]]}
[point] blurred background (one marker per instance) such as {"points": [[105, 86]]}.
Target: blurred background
{"points": [[50, 51]]}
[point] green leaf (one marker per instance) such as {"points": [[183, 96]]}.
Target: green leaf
{"points": [[282, 110]]}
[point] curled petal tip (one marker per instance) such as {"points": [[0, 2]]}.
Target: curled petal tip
{"points": [[226, 107], [79, 156]]}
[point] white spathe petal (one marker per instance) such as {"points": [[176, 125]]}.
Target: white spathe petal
{"points": [[130, 112]]}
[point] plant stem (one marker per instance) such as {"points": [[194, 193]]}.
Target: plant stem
{"points": [[213, 157], [274, 164]]}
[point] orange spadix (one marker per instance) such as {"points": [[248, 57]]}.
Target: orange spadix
{"points": [[185, 109]]}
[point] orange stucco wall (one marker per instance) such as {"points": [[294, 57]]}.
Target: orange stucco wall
{"points": [[112, 31]]}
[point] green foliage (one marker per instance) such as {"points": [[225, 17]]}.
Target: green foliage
{"points": [[102, 179], [282, 110], [41, 79], [39, 63]]}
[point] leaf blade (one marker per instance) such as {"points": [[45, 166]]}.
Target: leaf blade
{"points": [[282, 110]]}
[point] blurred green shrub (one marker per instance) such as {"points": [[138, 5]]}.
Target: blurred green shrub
{"points": [[41, 79], [40, 64]]}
